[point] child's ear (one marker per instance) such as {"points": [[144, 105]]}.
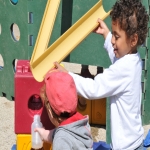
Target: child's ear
{"points": [[134, 40]]}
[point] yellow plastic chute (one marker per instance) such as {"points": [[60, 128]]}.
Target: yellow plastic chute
{"points": [[42, 61]]}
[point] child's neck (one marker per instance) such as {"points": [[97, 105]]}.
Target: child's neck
{"points": [[132, 51]]}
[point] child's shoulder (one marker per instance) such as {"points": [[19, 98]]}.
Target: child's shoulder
{"points": [[127, 64], [130, 60]]}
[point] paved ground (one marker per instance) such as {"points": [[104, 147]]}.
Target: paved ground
{"points": [[7, 135]]}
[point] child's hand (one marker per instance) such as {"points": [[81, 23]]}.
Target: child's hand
{"points": [[58, 67], [40, 131], [46, 135], [102, 28]]}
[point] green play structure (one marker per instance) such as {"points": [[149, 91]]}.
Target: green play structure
{"points": [[25, 16]]}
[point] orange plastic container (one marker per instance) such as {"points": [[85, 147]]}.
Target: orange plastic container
{"points": [[99, 111], [96, 109], [24, 143], [86, 108]]}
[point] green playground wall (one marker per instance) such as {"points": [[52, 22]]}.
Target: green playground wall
{"points": [[27, 14]]}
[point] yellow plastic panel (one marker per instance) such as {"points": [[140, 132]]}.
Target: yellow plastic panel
{"points": [[24, 143], [67, 42], [85, 110], [45, 28], [99, 111]]}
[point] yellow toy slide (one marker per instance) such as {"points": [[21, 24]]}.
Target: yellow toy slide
{"points": [[45, 28], [42, 60]]}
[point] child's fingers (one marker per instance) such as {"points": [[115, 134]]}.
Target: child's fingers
{"points": [[99, 20], [97, 28], [57, 65], [100, 27], [39, 130], [36, 130]]}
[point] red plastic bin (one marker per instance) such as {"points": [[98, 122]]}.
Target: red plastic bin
{"points": [[27, 99]]}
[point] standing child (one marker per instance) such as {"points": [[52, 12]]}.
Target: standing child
{"points": [[122, 80], [72, 130]]}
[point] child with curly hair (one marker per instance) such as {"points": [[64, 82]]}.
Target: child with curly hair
{"points": [[122, 80]]}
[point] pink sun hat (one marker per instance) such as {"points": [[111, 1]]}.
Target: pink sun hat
{"points": [[61, 92]]}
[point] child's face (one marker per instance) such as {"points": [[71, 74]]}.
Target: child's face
{"points": [[120, 43]]}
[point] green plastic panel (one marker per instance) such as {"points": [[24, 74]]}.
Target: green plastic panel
{"points": [[90, 51], [38, 12], [146, 107], [146, 4], [9, 48]]}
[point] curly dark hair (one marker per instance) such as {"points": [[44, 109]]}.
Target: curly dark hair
{"points": [[132, 17]]}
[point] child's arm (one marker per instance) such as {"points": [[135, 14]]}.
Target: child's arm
{"points": [[111, 82], [108, 46], [46, 135], [103, 30]]}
